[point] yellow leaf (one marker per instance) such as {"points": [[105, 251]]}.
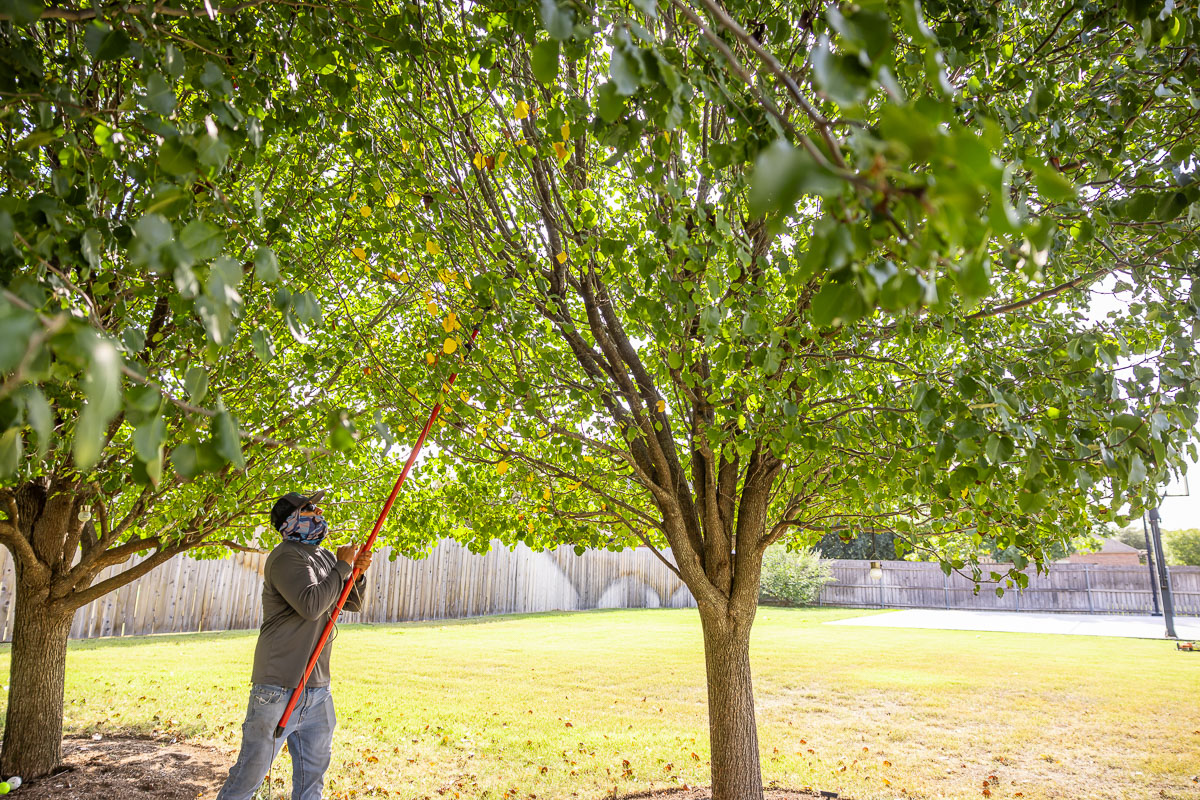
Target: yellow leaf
{"points": [[359, 253], [432, 247], [404, 277], [521, 111], [365, 211], [393, 200], [478, 161], [404, 145], [500, 159], [561, 151], [430, 358], [466, 398], [520, 142], [661, 405], [353, 196], [667, 136], [449, 346], [502, 468], [391, 273], [566, 131], [589, 459], [545, 494], [562, 258], [432, 308]]}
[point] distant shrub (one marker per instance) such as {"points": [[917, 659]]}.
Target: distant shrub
{"points": [[1183, 547], [795, 577]]}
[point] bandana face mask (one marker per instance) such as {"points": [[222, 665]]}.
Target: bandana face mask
{"points": [[306, 530]]}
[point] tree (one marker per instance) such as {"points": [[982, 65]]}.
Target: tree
{"points": [[178, 288], [1183, 547], [751, 271]]}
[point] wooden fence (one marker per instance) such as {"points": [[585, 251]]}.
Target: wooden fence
{"points": [[1068, 587], [186, 594], [190, 595]]}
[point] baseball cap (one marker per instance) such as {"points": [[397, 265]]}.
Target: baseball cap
{"points": [[291, 501]]}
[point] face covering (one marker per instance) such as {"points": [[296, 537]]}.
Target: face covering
{"points": [[306, 530]]}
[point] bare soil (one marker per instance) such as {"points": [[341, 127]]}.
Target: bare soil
{"points": [[129, 768], [703, 793], [125, 768]]}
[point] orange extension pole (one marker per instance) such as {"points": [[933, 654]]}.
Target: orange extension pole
{"points": [[341, 601]]}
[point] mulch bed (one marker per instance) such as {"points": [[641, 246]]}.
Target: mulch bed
{"points": [[126, 768], [703, 793]]}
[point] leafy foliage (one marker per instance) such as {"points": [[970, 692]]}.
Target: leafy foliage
{"points": [[795, 576], [1183, 547]]}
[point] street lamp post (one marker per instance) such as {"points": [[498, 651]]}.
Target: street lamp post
{"points": [[1150, 565], [1164, 576]]}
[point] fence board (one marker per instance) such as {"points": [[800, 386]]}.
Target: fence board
{"points": [[185, 594], [1066, 587], [189, 595]]}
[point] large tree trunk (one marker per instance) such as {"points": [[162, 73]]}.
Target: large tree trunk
{"points": [[732, 732], [33, 724]]}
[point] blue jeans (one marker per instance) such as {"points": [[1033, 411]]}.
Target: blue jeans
{"points": [[309, 736]]}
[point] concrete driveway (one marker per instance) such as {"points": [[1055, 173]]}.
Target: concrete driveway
{"points": [[1127, 625]]}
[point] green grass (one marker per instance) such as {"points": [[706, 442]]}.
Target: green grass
{"points": [[573, 705]]}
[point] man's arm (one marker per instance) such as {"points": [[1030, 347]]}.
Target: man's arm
{"points": [[354, 600], [312, 597]]}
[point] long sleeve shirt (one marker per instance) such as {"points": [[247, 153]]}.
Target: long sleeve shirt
{"points": [[301, 583]]}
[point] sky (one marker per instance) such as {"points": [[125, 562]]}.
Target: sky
{"points": [[1183, 512]]}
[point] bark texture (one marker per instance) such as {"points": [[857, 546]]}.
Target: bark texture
{"points": [[33, 721], [732, 729]]}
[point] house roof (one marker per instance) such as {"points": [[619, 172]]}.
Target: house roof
{"points": [[1117, 546]]}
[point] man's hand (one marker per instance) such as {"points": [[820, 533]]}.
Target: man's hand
{"points": [[346, 553]]}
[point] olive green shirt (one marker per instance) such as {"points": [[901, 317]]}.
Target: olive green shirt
{"points": [[301, 583]]}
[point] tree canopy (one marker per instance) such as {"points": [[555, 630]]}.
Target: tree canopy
{"points": [[745, 272]]}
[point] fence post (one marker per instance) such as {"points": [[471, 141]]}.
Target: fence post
{"points": [[1087, 577], [946, 589]]}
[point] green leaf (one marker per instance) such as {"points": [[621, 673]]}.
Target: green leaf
{"points": [[307, 308], [624, 70], [176, 158], [647, 7], [40, 417], [148, 438], [212, 150], [105, 43], [837, 304], [228, 440], [12, 448], [195, 383], [839, 75], [1137, 470], [264, 347], [545, 61], [266, 266], [559, 22], [782, 174], [1051, 183], [609, 102], [90, 246], [102, 387], [201, 239], [974, 276], [186, 460], [160, 98], [22, 12]]}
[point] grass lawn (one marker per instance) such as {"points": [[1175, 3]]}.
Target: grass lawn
{"points": [[575, 705]]}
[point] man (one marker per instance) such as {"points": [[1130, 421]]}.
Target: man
{"points": [[301, 583]]}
